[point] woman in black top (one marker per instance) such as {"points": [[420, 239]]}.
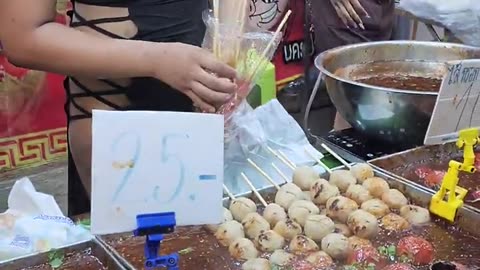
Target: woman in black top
{"points": [[120, 55]]}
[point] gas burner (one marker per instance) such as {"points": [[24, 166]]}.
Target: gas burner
{"points": [[354, 146]]}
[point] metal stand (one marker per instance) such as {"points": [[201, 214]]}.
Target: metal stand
{"points": [[153, 226]]}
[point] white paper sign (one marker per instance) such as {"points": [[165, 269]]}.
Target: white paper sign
{"points": [[458, 103], [155, 162]]}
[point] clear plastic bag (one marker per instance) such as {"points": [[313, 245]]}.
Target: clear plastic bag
{"points": [[247, 52], [461, 17]]}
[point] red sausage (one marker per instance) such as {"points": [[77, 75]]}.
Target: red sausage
{"points": [[419, 250]]}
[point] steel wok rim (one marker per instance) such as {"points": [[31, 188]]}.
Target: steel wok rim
{"points": [[321, 57]]}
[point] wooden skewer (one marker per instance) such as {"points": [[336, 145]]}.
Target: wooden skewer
{"points": [[286, 158], [262, 172], [280, 172], [339, 158], [216, 34], [228, 192], [318, 160], [241, 17], [254, 190], [280, 158]]}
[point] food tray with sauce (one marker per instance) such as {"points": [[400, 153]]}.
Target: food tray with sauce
{"points": [[200, 249], [91, 255], [427, 165]]}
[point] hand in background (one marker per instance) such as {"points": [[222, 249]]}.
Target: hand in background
{"points": [[350, 12]]}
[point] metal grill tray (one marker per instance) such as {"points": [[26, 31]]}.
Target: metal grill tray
{"points": [[402, 166], [40, 261], [418, 195]]}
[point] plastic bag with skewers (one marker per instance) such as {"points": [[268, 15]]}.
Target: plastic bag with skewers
{"points": [[247, 52]]}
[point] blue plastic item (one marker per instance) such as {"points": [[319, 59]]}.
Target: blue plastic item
{"points": [[153, 226]]}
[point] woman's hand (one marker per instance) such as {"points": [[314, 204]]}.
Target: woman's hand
{"points": [[350, 12], [196, 73]]}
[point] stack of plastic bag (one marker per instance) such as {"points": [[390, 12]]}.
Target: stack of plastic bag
{"points": [[34, 223], [255, 132], [461, 17]]}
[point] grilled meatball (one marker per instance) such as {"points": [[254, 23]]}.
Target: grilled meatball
{"points": [[288, 228], [287, 194], [320, 259], [243, 249], [363, 224], [229, 231], [362, 171], [340, 207], [394, 222], [301, 244], [376, 207], [318, 226], [256, 264], [281, 257], [342, 179], [415, 215], [269, 241], [254, 224], [358, 193], [300, 210], [304, 176], [394, 199], [376, 186], [240, 207], [335, 245], [273, 213], [321, 191]]}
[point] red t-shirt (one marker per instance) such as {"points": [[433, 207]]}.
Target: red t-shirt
{"points": [[288, 59]]}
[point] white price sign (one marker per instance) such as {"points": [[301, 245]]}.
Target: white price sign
{"points": [[154, 162], [458, 103]]}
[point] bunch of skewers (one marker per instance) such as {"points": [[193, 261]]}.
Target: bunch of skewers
{"points": [[248, 52]]}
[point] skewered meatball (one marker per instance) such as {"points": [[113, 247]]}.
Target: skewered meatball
{"points": [[281, 257], [318, 226], [394, 222], [240, 207], [287, 194], [306, 196], [340, 207], [229, 231], [269, 241], [335, 245], [321, 191], [254, 224], [358, 193], [415, 215], [288, 228], [376, 207], [243, 249], [394, 199], [363, 224], [362, 171], [256, 264], [227, 216], [376, 186], [273, 213], [343, 229], [304, 176], [320, 259], [342, 179], [301, 244], [356, 242], [300, 210]]}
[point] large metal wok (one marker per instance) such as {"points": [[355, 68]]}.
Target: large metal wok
{"points": [[388, 114]]}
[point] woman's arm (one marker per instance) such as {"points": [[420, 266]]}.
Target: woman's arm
{"points": [[31, 39]]}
